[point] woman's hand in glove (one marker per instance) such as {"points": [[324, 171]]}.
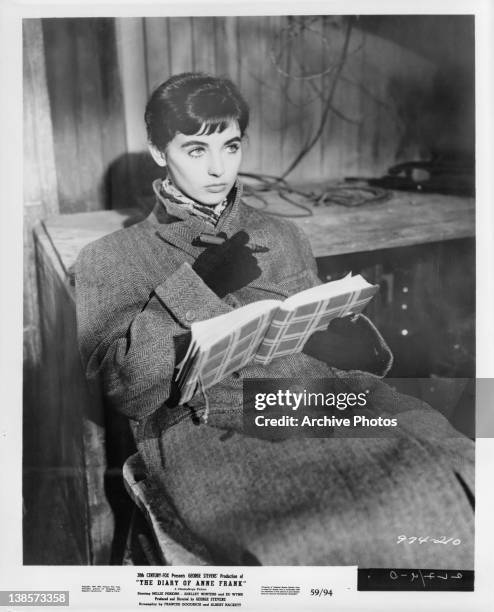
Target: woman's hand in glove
{"points": [[228, 267]]}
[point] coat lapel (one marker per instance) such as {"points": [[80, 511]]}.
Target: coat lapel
{"points": [[179, 228]]}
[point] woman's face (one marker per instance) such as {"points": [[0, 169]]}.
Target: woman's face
{"points": [[205, 167]]}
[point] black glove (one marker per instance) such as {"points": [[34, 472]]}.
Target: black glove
{"points": [[227, 267], [349, 345]]}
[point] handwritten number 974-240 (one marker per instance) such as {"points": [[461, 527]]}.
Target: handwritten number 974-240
{"points": [[427, 539]]}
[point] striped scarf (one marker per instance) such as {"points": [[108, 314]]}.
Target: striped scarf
{"points": [[209, 213]]}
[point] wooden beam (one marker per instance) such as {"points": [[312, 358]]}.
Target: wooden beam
{"points": [[40, 178], [132, 66]]}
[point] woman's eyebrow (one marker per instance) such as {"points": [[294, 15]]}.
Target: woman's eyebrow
{"points": [[232, 140], [192, 143]]}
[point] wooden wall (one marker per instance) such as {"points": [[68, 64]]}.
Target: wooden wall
{"points": [[362, 135], [86, 109], [391, 100], [442, 115], [40, 196]]}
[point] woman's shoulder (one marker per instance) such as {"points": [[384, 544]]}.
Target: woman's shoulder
{"points": [[113, 249], [281, 230], [258, 218]]}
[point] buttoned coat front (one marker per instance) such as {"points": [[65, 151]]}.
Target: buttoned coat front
{"points": [[137, 296]]}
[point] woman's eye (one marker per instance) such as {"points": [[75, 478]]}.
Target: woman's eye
{"points": [[197, 152], [233, 148]]}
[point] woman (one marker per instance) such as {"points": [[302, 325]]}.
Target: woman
{"points": [[310, 501]]}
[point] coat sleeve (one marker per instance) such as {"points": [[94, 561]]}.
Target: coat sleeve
{"points": [[130, 336]]}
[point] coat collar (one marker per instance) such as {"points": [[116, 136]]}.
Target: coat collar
{"points": [[180, 228]]}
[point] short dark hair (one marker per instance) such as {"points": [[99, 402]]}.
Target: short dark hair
{"points": [[190, 101]]}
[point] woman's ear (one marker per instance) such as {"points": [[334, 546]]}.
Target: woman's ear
{"points": [[157, 155]]}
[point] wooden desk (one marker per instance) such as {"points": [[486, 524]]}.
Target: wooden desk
{"points": [[74, 418], [403, 220]]}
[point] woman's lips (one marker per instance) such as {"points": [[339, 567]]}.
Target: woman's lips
{"points": [[216, 188]]}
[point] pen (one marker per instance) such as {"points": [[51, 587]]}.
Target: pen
{"points": [[212, 239]]}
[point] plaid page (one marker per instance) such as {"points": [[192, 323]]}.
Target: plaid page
{"points": [[290, 329], [233, 351]]}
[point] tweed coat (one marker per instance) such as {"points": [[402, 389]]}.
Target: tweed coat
{"points": [[137, 296]]}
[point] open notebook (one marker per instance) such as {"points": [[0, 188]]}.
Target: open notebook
{"points": [[264, 330]]}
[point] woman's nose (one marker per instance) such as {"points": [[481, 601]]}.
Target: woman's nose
{"points": [[216, 166]]}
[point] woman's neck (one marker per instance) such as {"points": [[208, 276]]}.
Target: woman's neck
{"points": [[211, 214]]}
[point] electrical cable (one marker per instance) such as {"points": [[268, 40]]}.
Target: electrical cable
{"points": [[342, 195]]}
